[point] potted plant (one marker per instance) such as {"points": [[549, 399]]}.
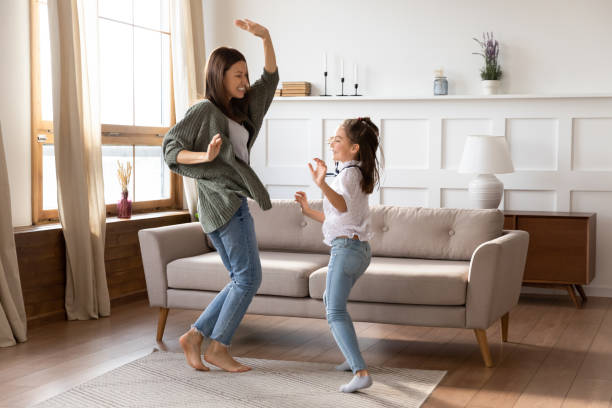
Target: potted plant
{"points": [[491, 73]]}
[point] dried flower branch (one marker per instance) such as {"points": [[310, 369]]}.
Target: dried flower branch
{"points": [[490, 53], [123, 174]]}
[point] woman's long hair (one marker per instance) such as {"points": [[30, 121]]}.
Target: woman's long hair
{"points": [[364, 132], [220, 60]]}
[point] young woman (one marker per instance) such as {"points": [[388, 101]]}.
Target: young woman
{"points": [[212, 144], [346, 229]]}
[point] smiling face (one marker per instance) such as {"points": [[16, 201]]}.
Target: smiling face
{"points": [[342, 147], [236, 81]]}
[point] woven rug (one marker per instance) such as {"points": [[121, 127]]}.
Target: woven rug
{"points": [[164, 380]]}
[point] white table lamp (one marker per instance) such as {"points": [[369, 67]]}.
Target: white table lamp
{"points": [[486, 156]]}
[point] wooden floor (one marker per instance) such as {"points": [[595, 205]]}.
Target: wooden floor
{"points": [[557, 356]]}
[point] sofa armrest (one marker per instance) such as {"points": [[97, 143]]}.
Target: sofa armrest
{"points": [[495, 278], [162, 245]]}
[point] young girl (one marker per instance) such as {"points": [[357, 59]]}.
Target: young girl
{"points": [[346, 229]]}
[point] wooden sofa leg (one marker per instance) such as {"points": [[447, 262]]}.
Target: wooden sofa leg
{"points": [[481, 336], [161, 322], [504, 327]]}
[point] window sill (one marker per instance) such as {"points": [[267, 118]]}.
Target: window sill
{"points": [[146, 216], [109, 220]]}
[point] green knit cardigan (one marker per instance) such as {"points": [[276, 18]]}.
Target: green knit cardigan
{"points": [[222, 181]]}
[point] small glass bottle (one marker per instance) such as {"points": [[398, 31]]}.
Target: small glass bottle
{"points": [[440, 83]]}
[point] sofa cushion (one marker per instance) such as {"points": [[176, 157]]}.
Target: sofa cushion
{"points": [[406, 281], [284, 228], [432, 233], [283, 273]]}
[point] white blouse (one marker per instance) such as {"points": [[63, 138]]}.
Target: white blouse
{"points": [[356, 220], [239, 137]]}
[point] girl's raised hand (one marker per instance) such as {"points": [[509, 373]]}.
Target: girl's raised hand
{"points": [[213, 148], [318, 174], [302, 200], [252, 27]]}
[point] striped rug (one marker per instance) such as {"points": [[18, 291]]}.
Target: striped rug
{"points": [[164, 380]]}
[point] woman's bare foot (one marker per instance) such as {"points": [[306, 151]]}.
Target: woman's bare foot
{"points": [[190, 343], [217, 354]]}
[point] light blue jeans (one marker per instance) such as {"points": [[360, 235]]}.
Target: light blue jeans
{"points": [[237, 246], [348, 261]]}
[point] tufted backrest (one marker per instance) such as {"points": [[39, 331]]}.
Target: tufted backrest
{"points": [[411, 232], [432, 233], [283, 227]]}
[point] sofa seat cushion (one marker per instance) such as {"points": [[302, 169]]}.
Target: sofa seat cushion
{"points": [[405, 281], [283, 273]]}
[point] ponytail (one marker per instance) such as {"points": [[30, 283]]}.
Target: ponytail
{"points": [[364, 132]]}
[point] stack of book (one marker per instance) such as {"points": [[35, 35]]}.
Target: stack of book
{"points": [[295, 89]]}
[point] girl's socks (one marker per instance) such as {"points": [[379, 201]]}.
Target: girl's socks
{"points": [[344, 366], [357, 383]]}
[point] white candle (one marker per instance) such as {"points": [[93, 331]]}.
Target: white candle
{"points": [[355, 73], [342, 68], [324, 62]]}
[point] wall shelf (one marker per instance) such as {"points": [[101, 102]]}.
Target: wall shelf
{"points": [[440, 98]]}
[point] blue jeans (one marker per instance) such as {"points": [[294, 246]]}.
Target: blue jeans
{"points": [[237, 246], [349, 260]]}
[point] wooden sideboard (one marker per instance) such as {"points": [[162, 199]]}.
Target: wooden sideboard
{"points": [[561, 249]]}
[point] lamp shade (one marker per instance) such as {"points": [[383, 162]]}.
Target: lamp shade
{"points": [[486, 155]]}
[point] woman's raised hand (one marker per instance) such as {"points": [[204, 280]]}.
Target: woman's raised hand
{"points": [[213, 148], [318, 174], [302, 200], [252, 27]]}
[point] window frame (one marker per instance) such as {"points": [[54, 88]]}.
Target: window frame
{"points": [[110, 135]]}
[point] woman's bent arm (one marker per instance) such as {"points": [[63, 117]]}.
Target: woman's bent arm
{"points": [[189, 157], [270, 56]]}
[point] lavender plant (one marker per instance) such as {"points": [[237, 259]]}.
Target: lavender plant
{"points": [[490, 52]]}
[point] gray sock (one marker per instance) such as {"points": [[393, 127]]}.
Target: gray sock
{"points": [[344, 366], [357, 383]]}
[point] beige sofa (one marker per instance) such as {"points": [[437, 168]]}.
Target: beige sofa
{"points": [[430, 267]]}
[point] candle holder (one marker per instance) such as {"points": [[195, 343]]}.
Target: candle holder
{"points": [[342, 87], [325, 92], [356, 86]]}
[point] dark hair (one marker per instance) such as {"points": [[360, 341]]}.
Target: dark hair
{"points": [[220, 60], [363, 131]]}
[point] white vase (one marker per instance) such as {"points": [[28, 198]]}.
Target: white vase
{"points": [[490, 87]]}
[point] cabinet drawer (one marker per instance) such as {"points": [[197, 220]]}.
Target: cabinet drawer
{"points": [[558, 249]]}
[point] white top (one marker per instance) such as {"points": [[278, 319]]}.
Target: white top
{"points": [[356, 220], [239, 137]]}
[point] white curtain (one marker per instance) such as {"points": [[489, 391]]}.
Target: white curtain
{"points": [[12, 311], [78, 157], [188, 63]]}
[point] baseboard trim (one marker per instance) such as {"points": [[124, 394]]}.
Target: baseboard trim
{"points": [[590, 290], [41, 320], [129, 298]]}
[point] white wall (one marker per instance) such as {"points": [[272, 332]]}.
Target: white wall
{"points": [[15, 104], [547, 46], [561, 149]]}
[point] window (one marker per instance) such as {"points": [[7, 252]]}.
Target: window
{"points": [[136, 105]]}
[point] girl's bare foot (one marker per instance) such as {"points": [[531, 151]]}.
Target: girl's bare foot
{"points": [[190, 343], [218, 355]]}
